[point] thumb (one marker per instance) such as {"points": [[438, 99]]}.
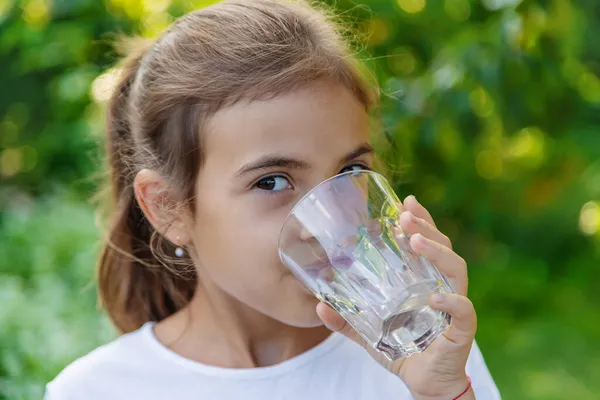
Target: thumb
{"points": [[464, 320], [334, 322]]}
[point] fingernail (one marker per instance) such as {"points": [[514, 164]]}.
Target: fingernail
{"points": [[437, 298], [414, 198]]}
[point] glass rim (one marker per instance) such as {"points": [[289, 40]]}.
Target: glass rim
{"points": [[368, 172]]}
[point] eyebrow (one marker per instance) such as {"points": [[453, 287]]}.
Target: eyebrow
{"points": [[275, 161], [361, 150], [271, 161]]}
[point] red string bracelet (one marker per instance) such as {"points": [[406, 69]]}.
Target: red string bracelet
{"points": [[464, 391]]}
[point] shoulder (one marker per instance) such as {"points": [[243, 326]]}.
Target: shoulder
{"points": [[99, 367]]}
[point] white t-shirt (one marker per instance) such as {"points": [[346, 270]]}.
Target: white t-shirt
{"points": [[138, 366]]}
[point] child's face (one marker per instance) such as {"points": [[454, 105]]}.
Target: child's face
{"points": [[261, 158]]}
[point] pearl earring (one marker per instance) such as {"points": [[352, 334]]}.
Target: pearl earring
{"points": [[179, 250]]}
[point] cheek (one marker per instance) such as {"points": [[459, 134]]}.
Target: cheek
{"points": [[238, 252], [239, 239]]}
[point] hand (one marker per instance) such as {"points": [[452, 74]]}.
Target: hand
{"points": [[438, 372]]}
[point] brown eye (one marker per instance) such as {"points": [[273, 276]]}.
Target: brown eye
{"points": [[354, 167], [273, 184]]}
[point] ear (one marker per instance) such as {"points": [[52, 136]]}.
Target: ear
{"points": [[161, 207]]}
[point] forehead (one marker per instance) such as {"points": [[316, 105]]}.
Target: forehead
{"points": [[318, 122]]}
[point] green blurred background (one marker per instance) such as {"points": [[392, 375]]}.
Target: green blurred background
{"points": [[492, 107]]}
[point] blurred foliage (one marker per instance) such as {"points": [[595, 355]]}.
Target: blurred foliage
{"points": [[491, 109]]}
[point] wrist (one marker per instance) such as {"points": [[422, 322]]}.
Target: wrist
{"points": [[460, 389], [469, 395]]}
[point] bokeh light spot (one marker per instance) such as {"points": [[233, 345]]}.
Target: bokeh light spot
{"points": [[36, 12], [528, 145], [458, 10], [412, 6], [402, 62], [11, 162], [378, 31], [589, 218], [103, 85], [154, 24], [447, 77], [489, 164], [156, 6], [73, 86], [494, 5]]}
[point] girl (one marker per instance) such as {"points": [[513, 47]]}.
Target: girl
{"points": [[214, 132]]}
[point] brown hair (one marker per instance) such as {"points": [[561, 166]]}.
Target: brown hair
{"points": [[208, 59]]}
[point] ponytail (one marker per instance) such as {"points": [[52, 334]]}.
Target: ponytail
{"points": [[134, 286]]}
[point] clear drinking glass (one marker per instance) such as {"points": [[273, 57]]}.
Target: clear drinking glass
{"points": [[343, 241]]}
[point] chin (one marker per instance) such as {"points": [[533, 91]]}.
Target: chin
{"points": [[302, 312], [305, 323], [294, 304]]}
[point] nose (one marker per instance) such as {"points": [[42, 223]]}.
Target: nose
{"points": [[305, 234]]}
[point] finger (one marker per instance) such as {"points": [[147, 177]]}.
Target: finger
{"points": [[334, 322], [411, 204], [447, 261], [464, 320], [412, 224]]}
